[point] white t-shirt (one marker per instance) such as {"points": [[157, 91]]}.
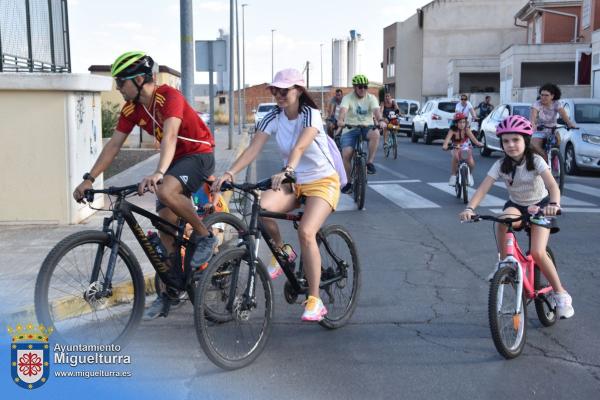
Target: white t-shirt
{"points": [[359, 111], [527, 187], [316, 162], [466, 109]]}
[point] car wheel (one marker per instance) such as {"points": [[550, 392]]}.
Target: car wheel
{"points": [[413, 135], [484, 151], [427, 135], [570, 162]]}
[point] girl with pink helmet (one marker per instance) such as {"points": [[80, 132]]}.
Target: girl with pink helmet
{"points": [[530, 187]]}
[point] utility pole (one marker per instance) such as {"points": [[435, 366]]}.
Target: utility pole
{"points": [[322, 109], [230, 97], [186, 23], [237, 46], [307, 74], [272, 62], [244, 63]]}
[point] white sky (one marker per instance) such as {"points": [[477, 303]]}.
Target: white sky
{"points": [[102, 30]]}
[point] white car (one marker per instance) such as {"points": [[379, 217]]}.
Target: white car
{"points": [[408, 110], [581, 147], [487, 134], [205, 117], [262, 110], [433, 121]]}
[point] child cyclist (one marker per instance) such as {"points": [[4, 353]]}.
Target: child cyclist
{"points": [[460, 134], [530, 187]]}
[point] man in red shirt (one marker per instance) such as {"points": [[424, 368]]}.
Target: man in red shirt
{"points": [[186, 151]]}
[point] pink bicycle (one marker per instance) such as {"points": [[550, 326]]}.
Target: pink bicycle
{"points": [[517, 281]]}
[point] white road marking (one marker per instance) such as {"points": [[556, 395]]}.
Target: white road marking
{"points": [[402, 197]]}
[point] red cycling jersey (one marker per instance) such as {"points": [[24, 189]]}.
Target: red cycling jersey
{"points": [[193, 137]]}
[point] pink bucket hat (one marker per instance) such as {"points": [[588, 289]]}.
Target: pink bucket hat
{"points": [[287, 78]]}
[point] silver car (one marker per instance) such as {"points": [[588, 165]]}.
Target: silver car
{"points": [[487, 134], [581, 147]]}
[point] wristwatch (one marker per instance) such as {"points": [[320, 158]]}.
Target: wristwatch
{"points": [[88, 177]]}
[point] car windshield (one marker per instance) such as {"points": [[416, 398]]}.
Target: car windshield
{"points": [[447, 106], [266, 108], [523, 111], [403, 107], [587, 113]]}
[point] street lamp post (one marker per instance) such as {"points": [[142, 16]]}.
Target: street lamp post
{"points": [[237, 45], [322, 105], [244, 63], [272, 62]]}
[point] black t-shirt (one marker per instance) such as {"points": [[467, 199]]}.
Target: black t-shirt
{"points": [[484, 109]]}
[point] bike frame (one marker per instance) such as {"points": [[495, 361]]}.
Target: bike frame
{"points": [[524, 266], [255, 230], [123, 212]]}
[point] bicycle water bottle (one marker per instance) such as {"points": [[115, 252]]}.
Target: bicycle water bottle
{"points": [[157, 245]]}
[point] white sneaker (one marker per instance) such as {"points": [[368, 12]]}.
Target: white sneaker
{"points": [[564, 307], [452, 180], [471, 180]]}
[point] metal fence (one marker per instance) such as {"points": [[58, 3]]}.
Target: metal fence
{"points": [[34, 36]]}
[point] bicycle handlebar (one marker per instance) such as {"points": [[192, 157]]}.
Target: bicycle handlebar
{"points": [[369, 127], [554, 128], [263, 185], [88, 194], [508, 221]]}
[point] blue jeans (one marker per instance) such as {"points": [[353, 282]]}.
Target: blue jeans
{"points": [[350, 138]]}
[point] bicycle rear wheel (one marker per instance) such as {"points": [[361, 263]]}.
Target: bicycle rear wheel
{"points": [[68, 286], [360, 182], [544, 304], [464, 183], [557, 164], [507, 326], [236, 342], [339, 297]]}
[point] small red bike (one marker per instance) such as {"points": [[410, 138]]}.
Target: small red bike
{"points": [[518, 281]]}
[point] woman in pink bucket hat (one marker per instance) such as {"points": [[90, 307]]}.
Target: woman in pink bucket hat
{"points": [[303, 146]]}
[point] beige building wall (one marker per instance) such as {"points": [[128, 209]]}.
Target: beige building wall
{"points": [[465, 29], [51, 134], [409, 60]]}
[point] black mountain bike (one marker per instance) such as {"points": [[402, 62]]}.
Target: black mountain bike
{"points": [[358, 174], [237, 290], [90, 287]]}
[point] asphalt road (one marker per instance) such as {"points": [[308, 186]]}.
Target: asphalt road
{"points": [[420, 330]]}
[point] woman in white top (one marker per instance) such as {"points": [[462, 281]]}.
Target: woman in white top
{"points": [[545, 112], [303, 147], [530, 185]]}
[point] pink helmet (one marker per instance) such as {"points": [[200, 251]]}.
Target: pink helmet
{"points": [[515, 124]]}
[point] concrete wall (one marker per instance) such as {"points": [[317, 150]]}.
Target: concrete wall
{"points": [[595, 65], [513, 57], [390, 34], [51, 135], [559, 28], [409, 60], [465, 29]]}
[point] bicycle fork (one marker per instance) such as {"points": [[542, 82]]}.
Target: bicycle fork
{"points": [[513, 263]]}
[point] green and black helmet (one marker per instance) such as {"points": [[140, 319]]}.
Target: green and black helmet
{"points": [[360, 80], [131, 64]]}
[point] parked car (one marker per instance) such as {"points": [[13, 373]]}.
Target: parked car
{"points": [[487, 134], [581, 147], [433, 121], [262, 110], [408, 110]]}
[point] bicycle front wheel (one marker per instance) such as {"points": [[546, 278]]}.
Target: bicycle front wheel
{"points": [[557, 164], [234, 342], [360, 182], [507, 326], [394, 145], [339, 259], [464, 183], [69, 286], [387, 146], [544, 305]]}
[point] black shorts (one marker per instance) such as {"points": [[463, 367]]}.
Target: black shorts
{"points": [[552, 225], [191, 171]]}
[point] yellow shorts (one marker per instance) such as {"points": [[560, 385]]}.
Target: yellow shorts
{"points": [[326, 188]]}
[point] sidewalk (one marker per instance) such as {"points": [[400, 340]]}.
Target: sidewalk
{"points": [[24, 247]]}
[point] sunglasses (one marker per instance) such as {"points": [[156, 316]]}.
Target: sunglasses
{"points": [[279, 91], [463, 99], [361, 86], [121, 81]]}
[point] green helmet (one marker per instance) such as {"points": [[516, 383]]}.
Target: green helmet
{"points": [[131, 63], [360, 80]]}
